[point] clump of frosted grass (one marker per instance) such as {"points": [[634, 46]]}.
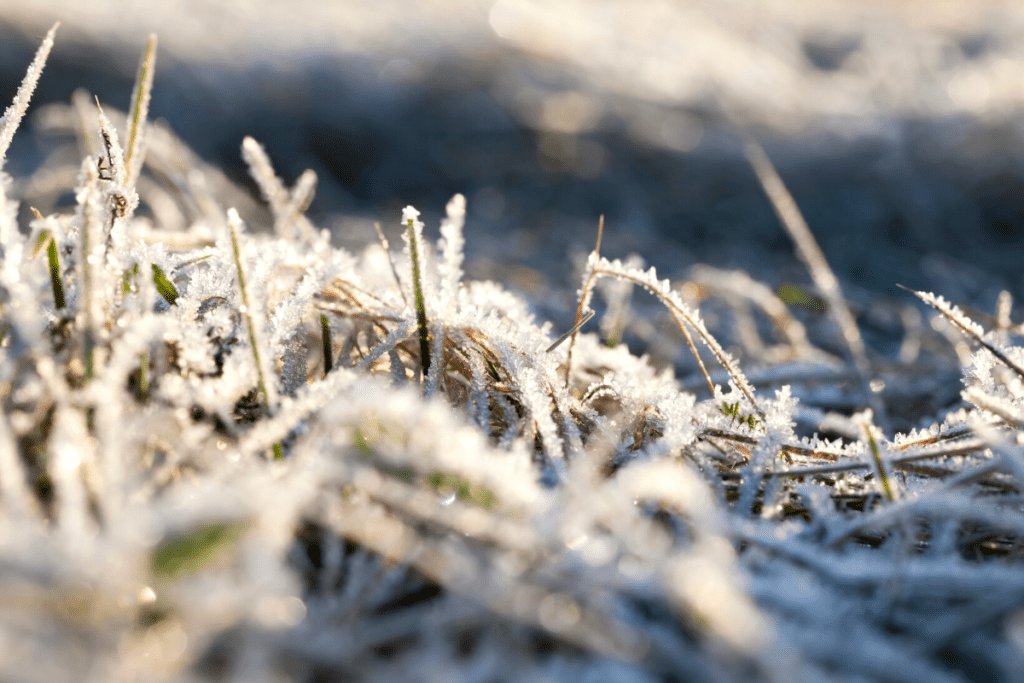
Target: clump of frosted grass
{"points": [[235, 454]]}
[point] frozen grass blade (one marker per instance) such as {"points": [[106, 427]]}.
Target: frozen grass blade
{"points": [[286, 207], [965, 325], [685, 319], [876, 457], [266, 394], [115, 168], [391, 262], [14, 113], [138, 111], [414, 230], [810, 253], [451, 244], [91, 261], [234, 225]]}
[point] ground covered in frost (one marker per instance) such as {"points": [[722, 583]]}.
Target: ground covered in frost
{"points": [[234, 450]]}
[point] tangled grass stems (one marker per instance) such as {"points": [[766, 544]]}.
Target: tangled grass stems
{"points": [[643, 530]]}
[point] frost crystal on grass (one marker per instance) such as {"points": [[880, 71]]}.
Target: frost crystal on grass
{"points": [[231, 455]]}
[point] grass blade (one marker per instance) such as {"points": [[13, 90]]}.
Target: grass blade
{"points": [[138, 112], [876, 457], [55, 280], [410, 215], [327, 343], [264, 390], [164, 286], [391, 261], [584, 300], [965, 325], [14, 113], [810, 253]]}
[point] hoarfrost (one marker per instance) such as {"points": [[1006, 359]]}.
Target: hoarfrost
{"points": [[224, 445]]}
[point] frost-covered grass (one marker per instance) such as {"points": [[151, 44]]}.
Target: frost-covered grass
{"points": [[238, 454]]}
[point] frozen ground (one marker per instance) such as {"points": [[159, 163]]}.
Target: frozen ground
{"points": [[895, 125]]}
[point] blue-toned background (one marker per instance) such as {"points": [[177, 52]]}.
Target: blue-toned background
{"points": [[896, 125]]}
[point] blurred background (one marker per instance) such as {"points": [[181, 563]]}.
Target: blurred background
{"points": [[896, 125]]}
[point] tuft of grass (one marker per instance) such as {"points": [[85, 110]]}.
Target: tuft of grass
{"points": [[645, 529]]}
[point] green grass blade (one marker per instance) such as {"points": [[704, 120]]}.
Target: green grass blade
{"points": [[139, 109], [421, 308], [55, 279], [328, 344], [164, 286], [883, 476], [190, 552]]}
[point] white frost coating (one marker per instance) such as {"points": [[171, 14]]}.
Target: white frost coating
{"points": [[952, 312], [450, 245], [615, 511], [115, 161], [72, 450], [14, 113], [684, 315]]}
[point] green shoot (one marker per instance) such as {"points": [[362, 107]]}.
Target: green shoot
{"points": [[421, 309], [42, 240], [797, 296], [55, 279], [883, 476], [327, 343], [733, 411], [164, 286]]}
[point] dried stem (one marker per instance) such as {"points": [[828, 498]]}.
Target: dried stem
{"points": [[810, 253], [584, 295]]}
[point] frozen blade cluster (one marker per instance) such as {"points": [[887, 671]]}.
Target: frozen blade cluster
{"points": [[234, 453]]}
